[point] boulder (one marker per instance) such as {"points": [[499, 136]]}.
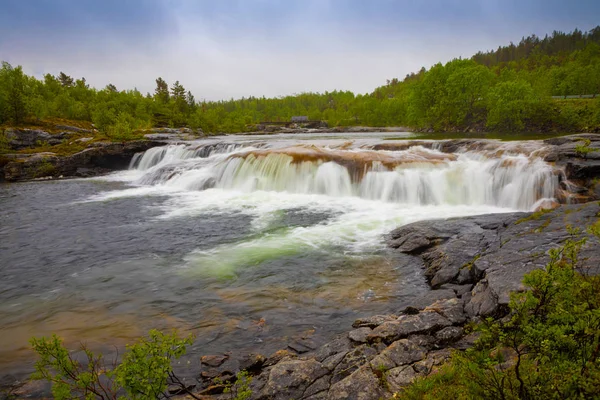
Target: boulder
{"points": [[290, 379], [362, 384]]}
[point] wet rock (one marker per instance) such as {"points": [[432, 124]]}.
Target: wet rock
{"points": [[213, 360], [361, 385], [360, 335], [303, 345], [373, 322]]}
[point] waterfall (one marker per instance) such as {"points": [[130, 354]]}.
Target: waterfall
{"points": [[416, 176]]}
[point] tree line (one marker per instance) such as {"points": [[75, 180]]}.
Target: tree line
{"points": [[508, 89]]}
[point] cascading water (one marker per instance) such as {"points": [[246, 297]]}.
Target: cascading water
{"points": [[416, 176]]}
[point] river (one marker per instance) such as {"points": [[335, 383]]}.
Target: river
{"points": [[246, 241]]}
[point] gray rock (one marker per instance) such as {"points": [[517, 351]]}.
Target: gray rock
{"points": [[290, 379], [23, 138], [373, 322], [353, 359], [360, 335], [361, 385], [449, 334], [399, 378], [401, 352], [405, 325], [452, 309]]}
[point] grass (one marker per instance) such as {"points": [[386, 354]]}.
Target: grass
{"points": [[534, 216]]}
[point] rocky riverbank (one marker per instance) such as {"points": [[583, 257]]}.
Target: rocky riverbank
{"points": [[70, 151], [472, 264]]}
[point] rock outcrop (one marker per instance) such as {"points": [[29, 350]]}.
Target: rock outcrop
{"points": [[99, 159], [472, 265]]}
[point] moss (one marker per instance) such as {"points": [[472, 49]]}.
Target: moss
{"points": [[533, 216], [543, 226], [469, 265]]}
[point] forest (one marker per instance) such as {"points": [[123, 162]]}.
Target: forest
{"points": [[516, 88]]}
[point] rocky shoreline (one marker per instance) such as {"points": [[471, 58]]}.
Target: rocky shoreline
{"points": [[92, 158], [471, 264]]}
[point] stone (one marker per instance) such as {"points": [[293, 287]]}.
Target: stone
{"points": [[399, 378], [373, 322], [360, 335], [362, 384], [451, 309], [278, 356], [449, 334], [290, 379], [23, 138], [401, 352], [213, 360], [352, 361], [405, 325], [425, 299]]}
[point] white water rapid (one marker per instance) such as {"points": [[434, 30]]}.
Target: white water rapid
{"points": [[363, 192]]}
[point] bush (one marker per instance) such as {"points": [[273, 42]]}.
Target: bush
{"points": [[549, 348], [144, 373]]}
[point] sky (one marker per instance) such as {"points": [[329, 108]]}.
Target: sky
{"points": [[223, 49]]}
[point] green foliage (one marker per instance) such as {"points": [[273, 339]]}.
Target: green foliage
{"points": [[144, 373], [121, 128], [44, 169], [146, 365], [240, 390], [583, 148], [549, 348], [508, 89]]}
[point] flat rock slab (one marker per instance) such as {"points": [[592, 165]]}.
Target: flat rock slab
{"points": [[493, 252]]}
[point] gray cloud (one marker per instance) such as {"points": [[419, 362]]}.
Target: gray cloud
{"points": [[231, 48]]}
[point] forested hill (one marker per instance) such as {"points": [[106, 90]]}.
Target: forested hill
{"points": [[509, 89]]}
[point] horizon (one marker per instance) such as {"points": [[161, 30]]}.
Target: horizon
{"points": [[234, 49]]}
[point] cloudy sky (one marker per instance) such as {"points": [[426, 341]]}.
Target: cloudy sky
{"points": [[232, 48]]}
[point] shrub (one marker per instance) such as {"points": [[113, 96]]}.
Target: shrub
{"points": [[144, 373], [549, 347]]}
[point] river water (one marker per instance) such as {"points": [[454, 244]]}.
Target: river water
{"points": [[248, 242]]}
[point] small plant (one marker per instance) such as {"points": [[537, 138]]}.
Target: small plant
{"points": [[583, 148], [240, 390], [144, 373], [43, 169]]}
